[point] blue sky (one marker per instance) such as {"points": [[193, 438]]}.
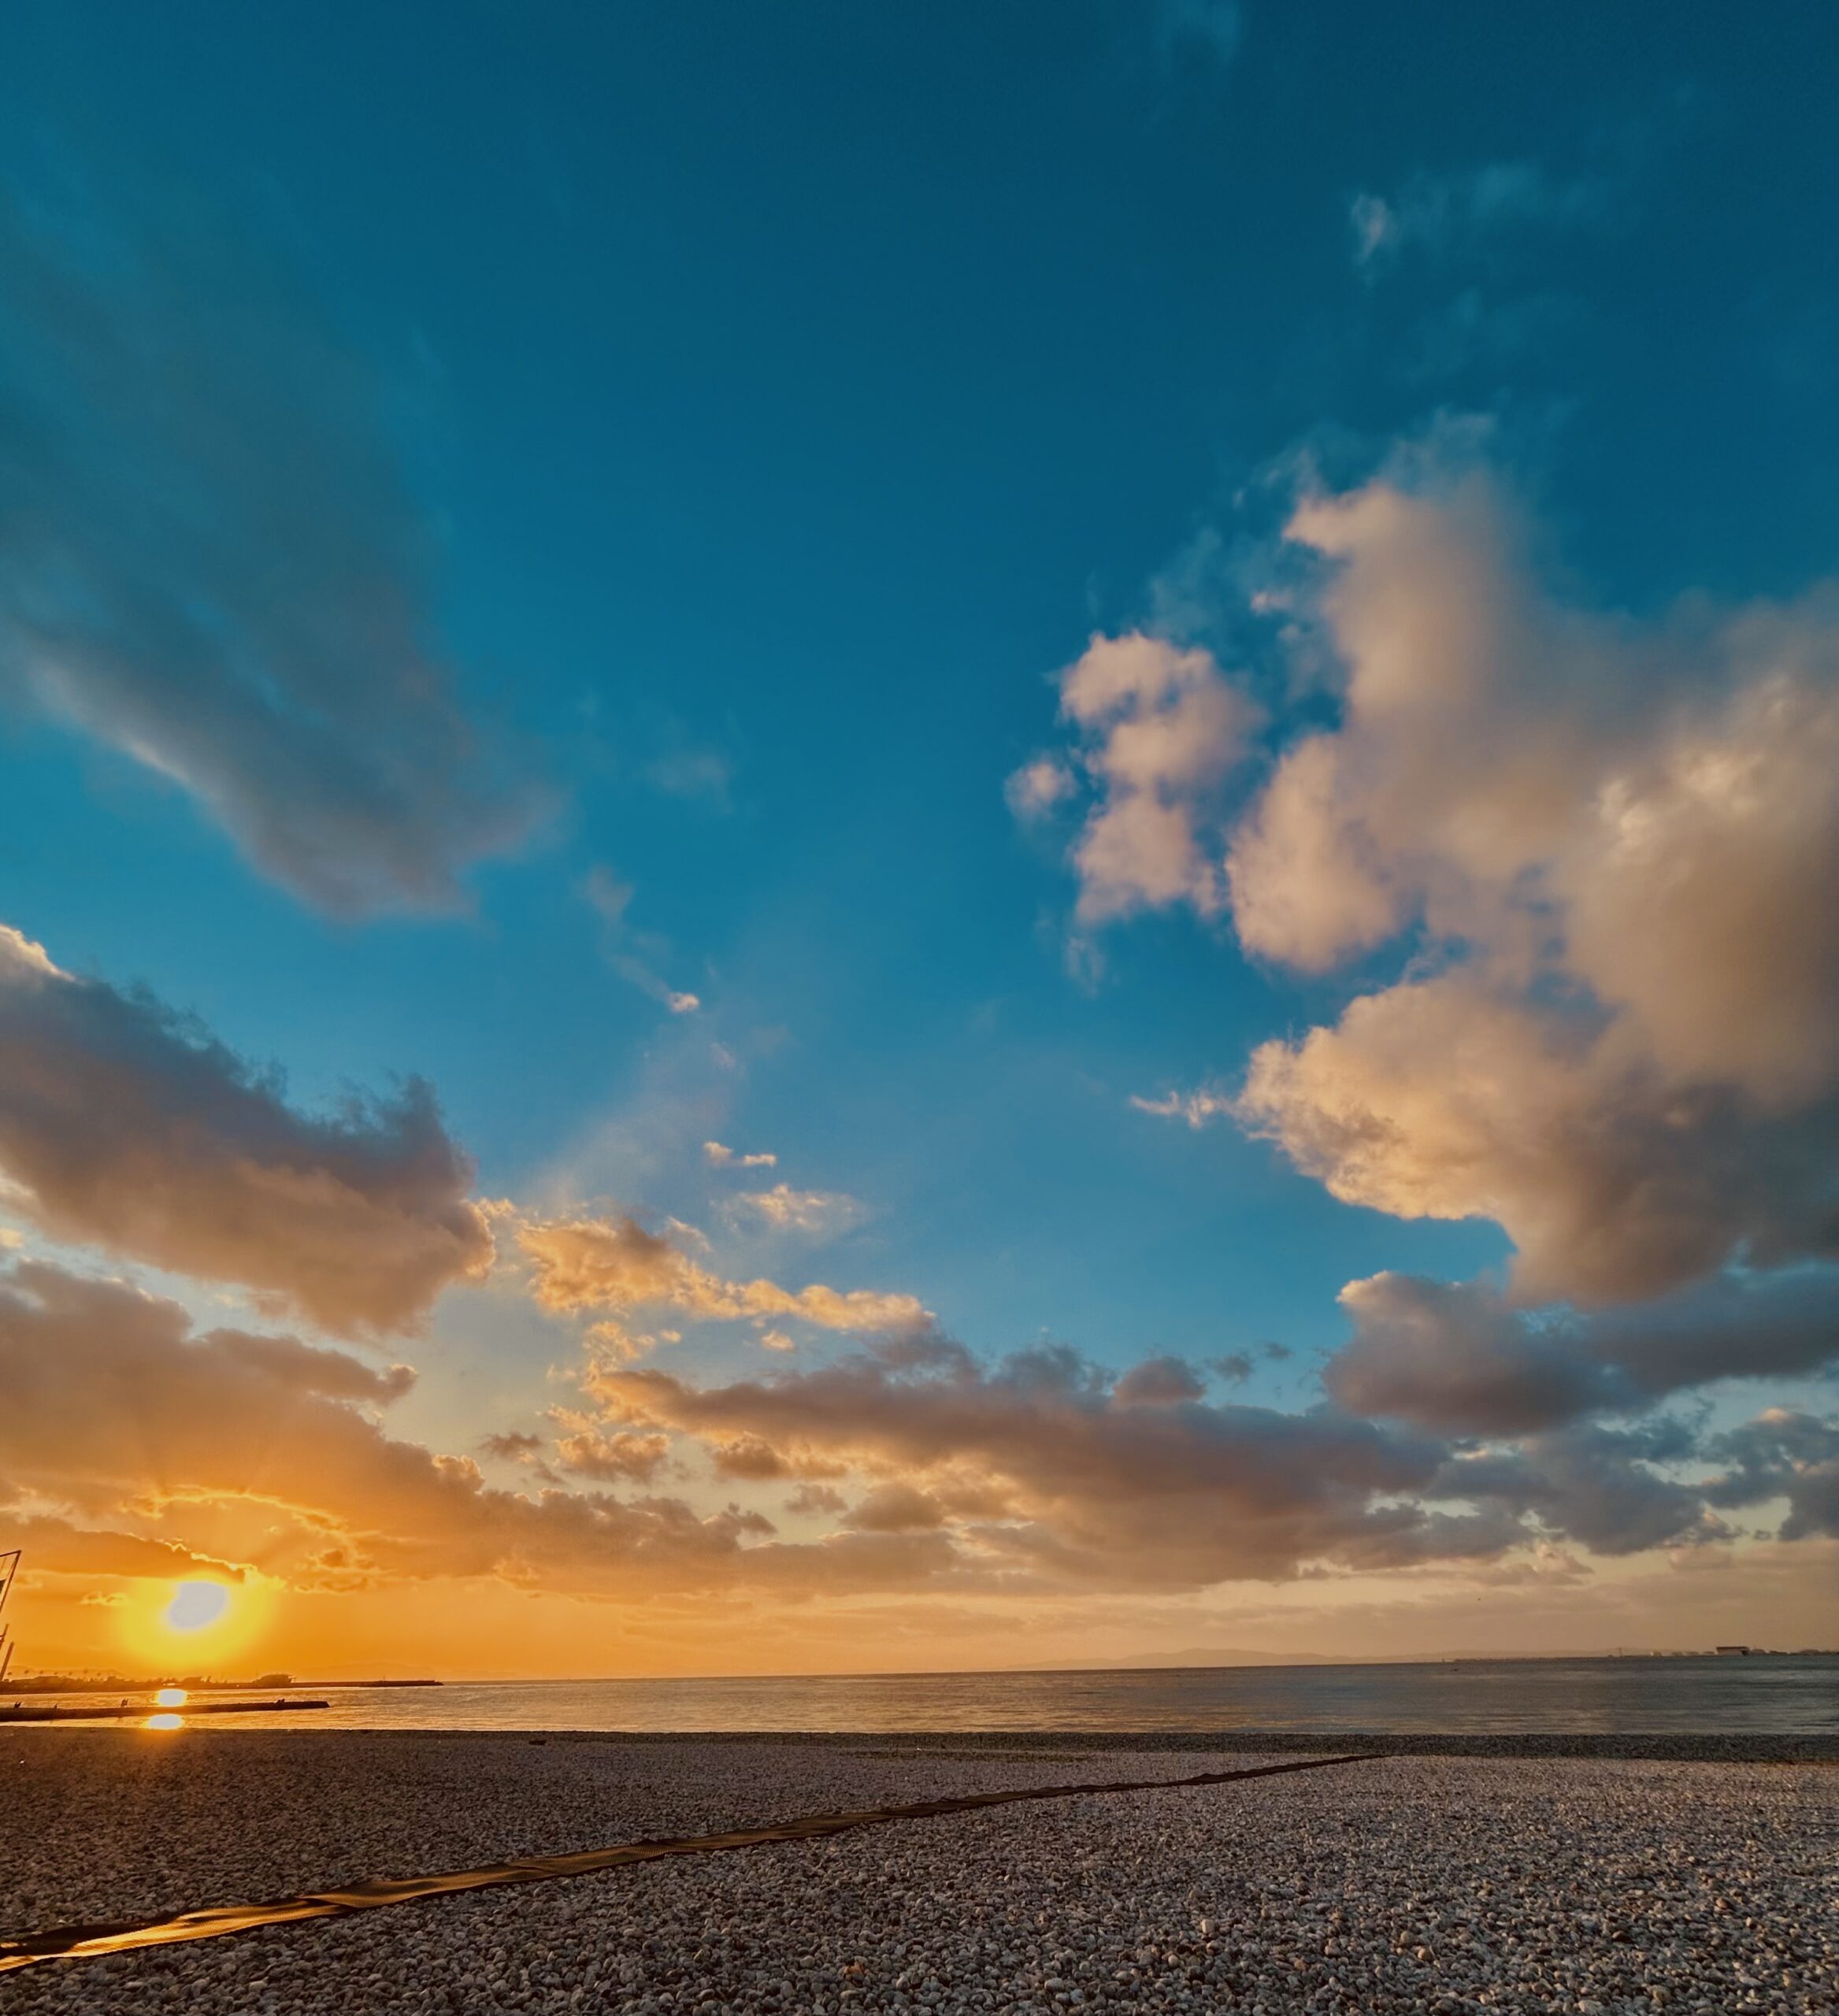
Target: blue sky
{"points": [[757, 411]]}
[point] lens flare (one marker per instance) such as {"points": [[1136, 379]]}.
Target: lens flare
{"points": [[171, 1697], [196, 1606], [164, 1722]]}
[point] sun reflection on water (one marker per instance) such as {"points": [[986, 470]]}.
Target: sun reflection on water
{"points": [[171, 1697], [164, 1722]]}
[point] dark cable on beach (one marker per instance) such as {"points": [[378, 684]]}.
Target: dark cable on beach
{"points": [[95, 1941]]}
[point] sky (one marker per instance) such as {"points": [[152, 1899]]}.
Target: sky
{"points": [[844, 837]]}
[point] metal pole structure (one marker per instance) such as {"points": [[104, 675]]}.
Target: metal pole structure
{"points": [[9, 1568]]}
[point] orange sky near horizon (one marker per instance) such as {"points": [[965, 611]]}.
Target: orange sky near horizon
{"points": [[488, 1630]]}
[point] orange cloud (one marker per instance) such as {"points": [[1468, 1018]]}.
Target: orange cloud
{"points": [[123, 1126], [119, 1411], [615, 1264]]}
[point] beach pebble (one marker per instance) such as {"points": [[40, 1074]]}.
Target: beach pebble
{"points": [[1412, 1884]]}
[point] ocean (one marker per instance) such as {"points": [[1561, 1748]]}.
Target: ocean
{"points": [[1768, 1695]]}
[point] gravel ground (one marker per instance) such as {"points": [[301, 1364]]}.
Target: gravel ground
{"points": [[1425, 1885]]}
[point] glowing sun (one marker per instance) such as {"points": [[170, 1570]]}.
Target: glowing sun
{"points": [[197, 1606]]}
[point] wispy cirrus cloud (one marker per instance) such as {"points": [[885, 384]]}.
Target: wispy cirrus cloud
{"points": [[1464, 209], [1194, 1108], [213, 563], [1210, 29], [634, 955]]}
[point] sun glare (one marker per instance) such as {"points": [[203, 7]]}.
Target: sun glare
{"points": [[197, 1606], [171, 1697], [164, 1722], [173, 1628]]}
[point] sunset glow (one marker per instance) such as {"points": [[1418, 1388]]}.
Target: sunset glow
{"points": [[197, 1606], [919, 946], [1005, 835]]}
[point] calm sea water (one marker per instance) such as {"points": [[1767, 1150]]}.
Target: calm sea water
{"points": [[1766, 1696]]}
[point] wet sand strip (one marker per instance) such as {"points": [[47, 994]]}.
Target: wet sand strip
{"points": [[94, 1941]]}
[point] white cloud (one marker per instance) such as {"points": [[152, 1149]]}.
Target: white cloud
{"points": [[1622, 845], [720, 1156], [816, 1212], [1204, 1103], [1157, 729], [1039, 786]]}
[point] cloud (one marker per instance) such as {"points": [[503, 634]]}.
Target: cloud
{"points": [[1209, 28], [1454, 1099], [1133, 1481], [212, 563], [1603, 1488], [1035, 1473], [57, 1547], [634, 955], [1158, 729], [815, 1500], [1783, 1454], [620, 1459], [603, 1263], [516, 1446], [1158, 1382], [125, 1126], [820, 1213], [1459, 1358], [1440, 214], [1196, 1108], [896, 1508], [1619, 843], [1034, 790], [615, 1342], [749, 1460], [720, 1158], [118, 1410]]}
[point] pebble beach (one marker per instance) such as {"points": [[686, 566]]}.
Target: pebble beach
{"points": [[1413, 1882]]}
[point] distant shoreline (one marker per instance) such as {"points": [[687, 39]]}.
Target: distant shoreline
{"points": [[60, 1684], [1304, 1662], [1747, 1747]]}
